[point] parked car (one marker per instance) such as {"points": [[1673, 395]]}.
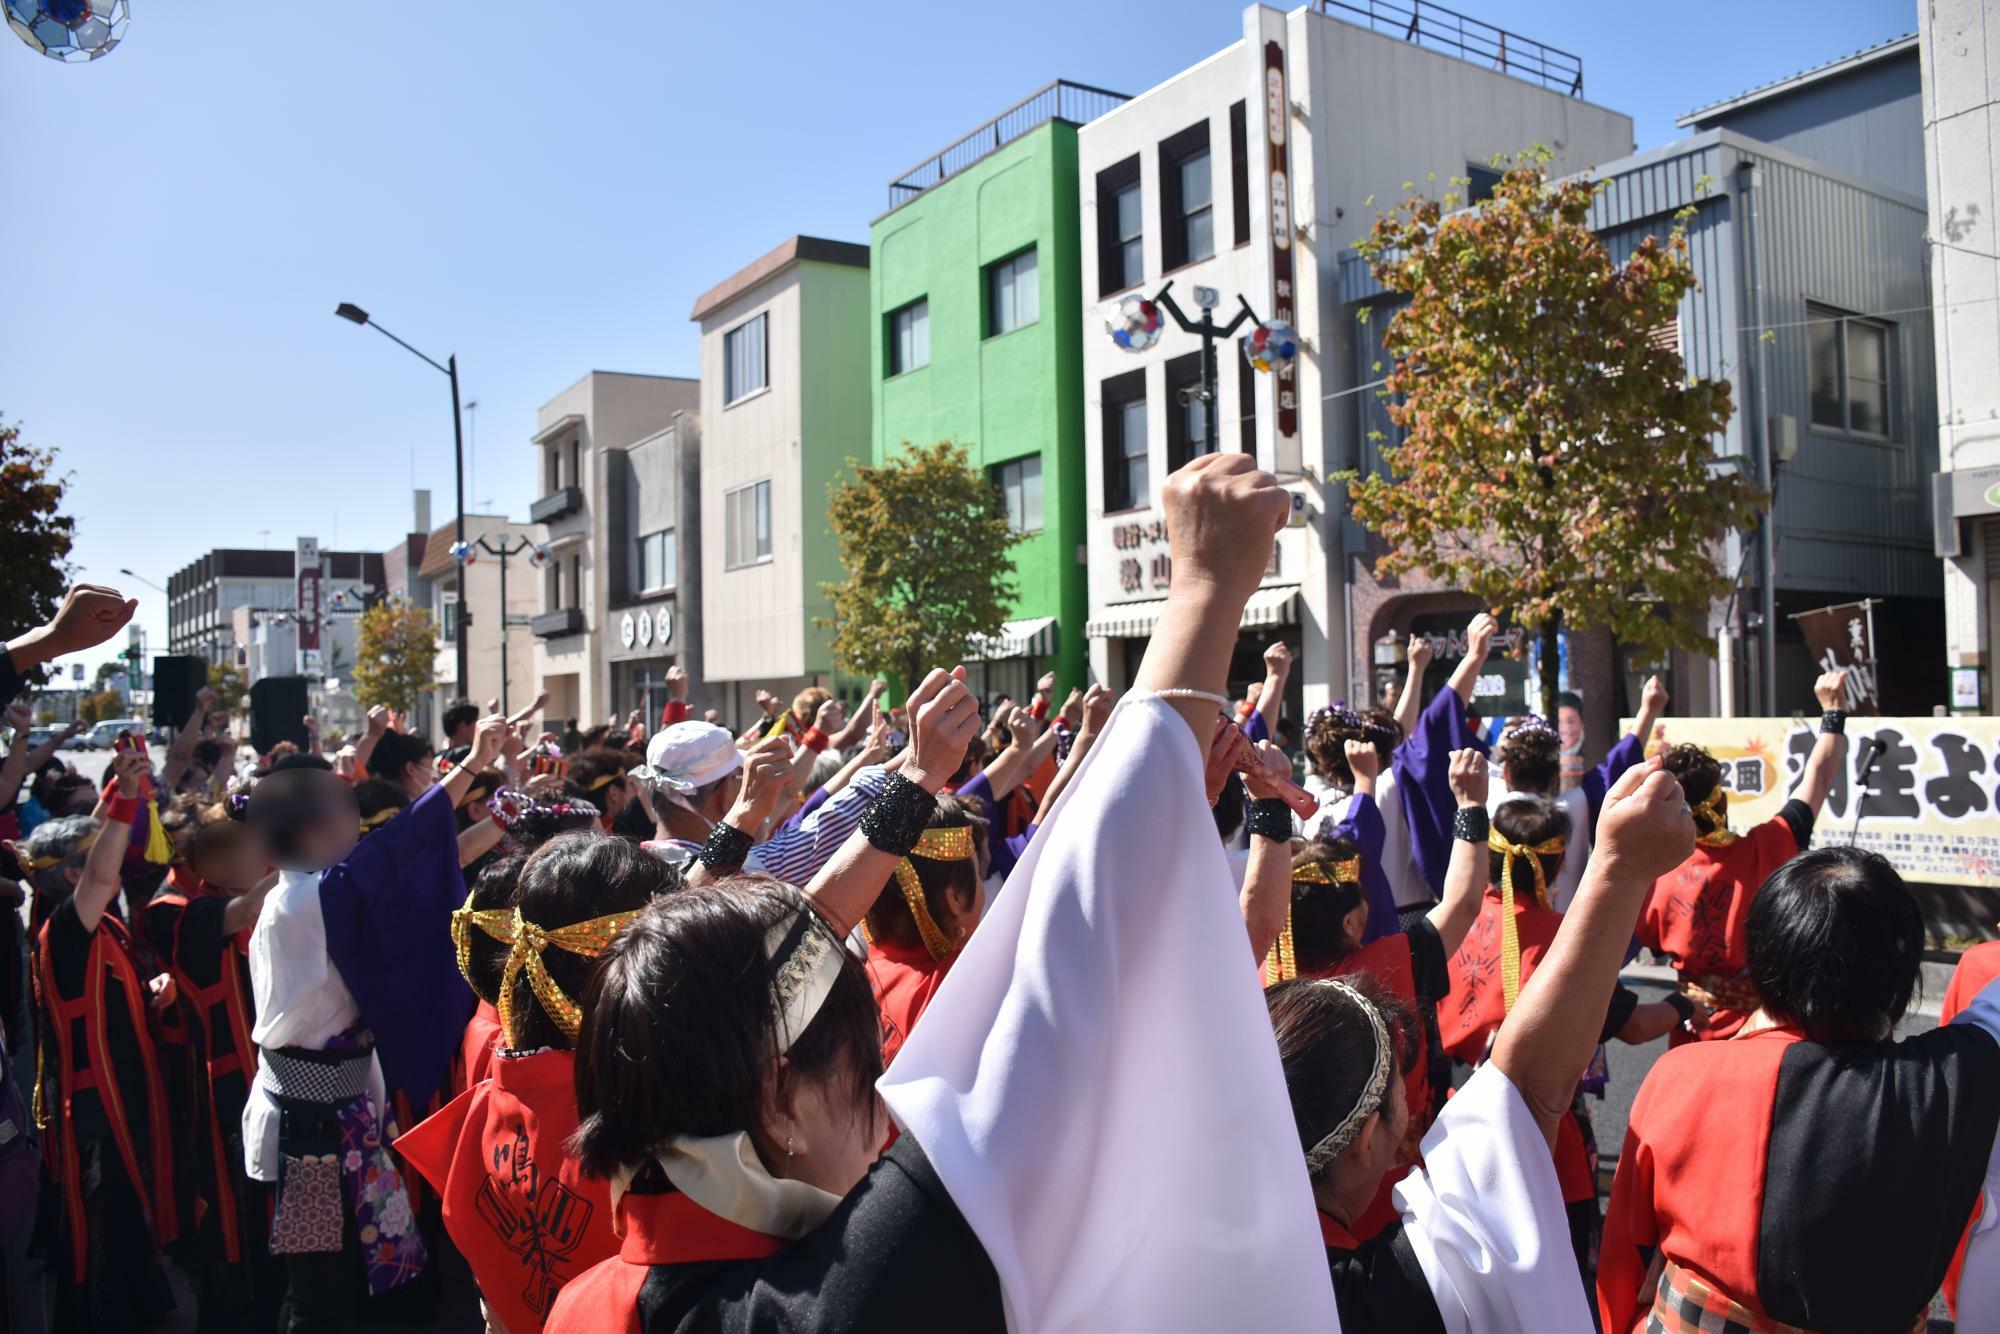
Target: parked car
{"points": [[105, 733], [39, 736], [81, 741]]}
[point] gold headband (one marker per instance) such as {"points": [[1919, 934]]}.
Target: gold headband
{"points": [[30, 865], [526, 942], [1282, 963], [380, 818], [495, 922], [1714, 809], [605, 781], [939, 845], [1510, 933]]}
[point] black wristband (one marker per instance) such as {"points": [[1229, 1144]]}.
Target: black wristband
{"points": [[1270, 818], [895, 820], [1682, 1006], [1833, 723], [1470, 824], [725, 849]]}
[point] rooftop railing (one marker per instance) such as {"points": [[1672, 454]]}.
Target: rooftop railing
{"points": [[1468, 38], [1076, 103]]}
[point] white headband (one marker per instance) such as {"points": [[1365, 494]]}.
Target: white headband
{"points": [[805, 959], [1370, 1101]]}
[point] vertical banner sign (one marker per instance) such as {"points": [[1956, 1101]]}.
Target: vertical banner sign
{"points": [[1278, 199], [1842, 638], [308, 603]]}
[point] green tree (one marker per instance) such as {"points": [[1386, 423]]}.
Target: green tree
{"points": [[925, 545], [395, 655], [107, 670], [104, 704], [226, 680], [34, 539], [1557, 461]]}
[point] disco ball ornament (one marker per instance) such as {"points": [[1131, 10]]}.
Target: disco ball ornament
{"points": [[69, 30], [1135, 323], [463, 553], [1271, 346], [538, 555]]}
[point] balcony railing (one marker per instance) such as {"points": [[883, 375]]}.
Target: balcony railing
{"points": [[1468, 38], [555, 624], [563, 500], [1074, 103]]}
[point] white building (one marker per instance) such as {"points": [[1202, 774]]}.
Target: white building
{"points": [[467, 601], [1178, 183], [784, 403], [1960, 40]]}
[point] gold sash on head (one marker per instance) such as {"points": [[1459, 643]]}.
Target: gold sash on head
{"points": [[952, 844], [1282, 963], [1510, 934], [1713, 810], [526, 943]]}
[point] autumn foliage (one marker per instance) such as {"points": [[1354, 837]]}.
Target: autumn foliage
{"points": [[395, 655], [35, 539], [1556, 460]]}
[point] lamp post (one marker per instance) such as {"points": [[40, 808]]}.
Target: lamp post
{"points": [[347, 310], [503, 551], [1207, 298]]}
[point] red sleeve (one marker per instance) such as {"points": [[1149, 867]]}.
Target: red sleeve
{"points": [[675, 711], [1629, 1225]]}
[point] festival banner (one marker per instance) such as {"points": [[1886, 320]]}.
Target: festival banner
{"points": [[1923, 792], [1842, 638]]}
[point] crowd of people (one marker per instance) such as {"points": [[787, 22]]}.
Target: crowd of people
{"points": [[1077, 1014]]}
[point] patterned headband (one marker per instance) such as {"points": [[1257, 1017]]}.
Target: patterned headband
{"points": [[526, 943], [938, 845], [510, 806], [805, 959], [1346, 721], [1282, 963], [1369, 1101], [1712, 810], [1529, 724]]}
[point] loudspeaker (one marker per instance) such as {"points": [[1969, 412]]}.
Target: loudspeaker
{"points": [[278, 712], [175, 681]]}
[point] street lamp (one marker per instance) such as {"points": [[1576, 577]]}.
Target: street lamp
{"points": [[347, 310], [463, 552], [130, 574], [1139, 325]]}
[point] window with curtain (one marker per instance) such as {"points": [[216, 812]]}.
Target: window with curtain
{"points": [[1013, 294], [1187, 198], [1121, 227], [1127, 484], [746, 525], [1849, 359], [1020, 487], [657, 561], [743, 358], [910, 337]]}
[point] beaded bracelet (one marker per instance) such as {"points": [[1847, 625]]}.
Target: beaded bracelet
{"points": [[895, 820], [1470, 823], [1270, 818], [1833, 723], [1186, 692], [725, 849]]}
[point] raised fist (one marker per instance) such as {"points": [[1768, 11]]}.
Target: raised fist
{"points": [[1831, 689], [1468, 776], [1420, 651], [1646, 829], [1222, 514]]}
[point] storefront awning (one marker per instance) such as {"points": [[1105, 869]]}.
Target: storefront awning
{"points": [[1135, 620], [1034, 637]]}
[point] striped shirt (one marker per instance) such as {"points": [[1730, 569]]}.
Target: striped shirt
{"points": [[798, 850]]}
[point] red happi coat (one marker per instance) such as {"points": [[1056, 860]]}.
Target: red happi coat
{"points": [[515, 1203], [664, 1229], [904, 979], [1697, 916], [482, 1040]]}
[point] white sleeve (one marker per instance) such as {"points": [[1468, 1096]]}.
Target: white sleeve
{"points": [[1399, 864], [1484, 1215], [301, 1000], [1576, 852], [1979, 1283]]}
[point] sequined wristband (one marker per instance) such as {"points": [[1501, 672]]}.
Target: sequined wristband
{"points": [[1271, 818], [1833, 723], [1682, 1006], [1470, 823], [895, 820], [725, 849]]}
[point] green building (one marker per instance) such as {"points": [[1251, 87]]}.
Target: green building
{"points": [[977, 297]]}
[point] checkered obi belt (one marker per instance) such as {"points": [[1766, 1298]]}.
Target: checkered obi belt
{"points": [[328, 1078], [1685, 1303]]}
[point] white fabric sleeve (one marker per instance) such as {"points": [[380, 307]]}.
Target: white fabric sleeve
{"points": [[1576, 851], [1484, 1215], [1979, 1282], [1399, 863], [1096, 1081]]}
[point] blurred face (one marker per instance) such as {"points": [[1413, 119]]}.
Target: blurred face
{"points": [[329, 840], [238, 869], [1569, 726]]}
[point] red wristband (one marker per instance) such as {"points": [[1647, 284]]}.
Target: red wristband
{"points": [[814, 740], [123, 809], [1040, 708]]}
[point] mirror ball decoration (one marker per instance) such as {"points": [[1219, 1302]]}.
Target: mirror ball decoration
{"points": [[463, 553], [1271, 346], [1135, 323], [72, 31]]}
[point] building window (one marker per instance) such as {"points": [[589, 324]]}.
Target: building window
{"points": [[1126, 483], [554, 601], [743, 358], [910, 337], [1850, 372], [1020, 487], [1187, 202], [576, 580], [1481, 180], [746, 525], [1187, 416], [1239, 170], [576, 460], [1013, 295], [658, 561], [1246, 406], [448, 617], [555, 471], [1121, 227]]}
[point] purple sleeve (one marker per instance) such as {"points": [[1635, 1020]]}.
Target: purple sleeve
{"points": [[1596, 782], [1423, 780], [978, 789], [1007, 851], [388, 930], [813, 803], [1363, 826], [1255, 729]]}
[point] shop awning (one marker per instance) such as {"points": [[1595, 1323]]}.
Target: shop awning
{"points": [[1135, 620], [1034, 637]]}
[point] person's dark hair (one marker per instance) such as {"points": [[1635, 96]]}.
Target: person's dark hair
{"points": [[1699, 774], [679, 1027], [1327, 1047], [584, 778], [1836, 943], [208, 753], [1229, 807], [591, 740], [67, 794], [972, 762], [1531, 754], [1528, 821], [1569, 699], [633, 823], [1319, 912], [374, 795], [396, 751], [285, 806], [485, 957], [1329, 731], [569, 879], [301, 759], [889, 919], [462, 714]]}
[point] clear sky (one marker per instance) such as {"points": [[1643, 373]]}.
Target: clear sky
{"points": [[542, 189]]}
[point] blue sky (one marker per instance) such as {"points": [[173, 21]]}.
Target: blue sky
{"points": [[542, 189]]}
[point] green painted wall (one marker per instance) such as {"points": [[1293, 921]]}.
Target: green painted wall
{"points": [[1006, 397]]}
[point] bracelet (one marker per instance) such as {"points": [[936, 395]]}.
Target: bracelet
{"points": [[1271, 818], [814, 740], [1833, 723], [725, 849], [896, 819], [1682, 1006], [123, 809], [1470, 823], [1185, 692]]}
